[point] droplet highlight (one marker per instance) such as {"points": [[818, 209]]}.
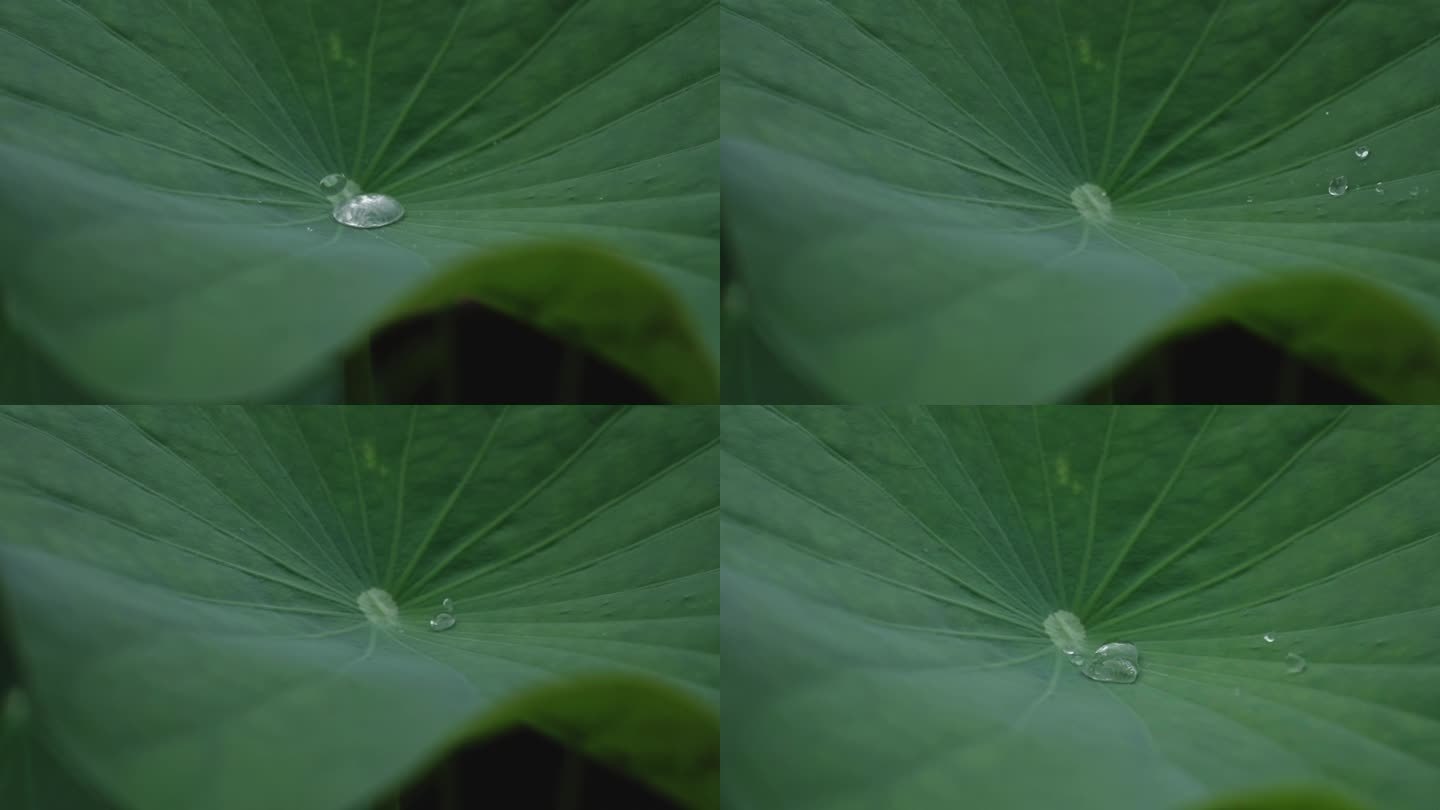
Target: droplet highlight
{"points": [[1339, 186], [1294, 664], [1362, 152], [442, 621], [1116, 662]]}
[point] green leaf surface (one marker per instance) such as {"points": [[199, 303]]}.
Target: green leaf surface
{"points": [[165, 232], [186, 585], [900, 177], [886, 574]]}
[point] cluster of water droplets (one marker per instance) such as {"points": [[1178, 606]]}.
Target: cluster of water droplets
{"points": [[445, 619], [356, 209], [1113, 662], [1294, 662]]}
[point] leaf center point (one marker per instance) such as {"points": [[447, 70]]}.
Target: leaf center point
{"points": [[1066, 630], [1093, 203], [379, 607]]}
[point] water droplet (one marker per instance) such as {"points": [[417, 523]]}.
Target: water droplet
{"points": [[1116, 662], [1339, 186], [442, 621], [1269, 638], [1250, 199], [1294, 664], [1379, 188], [1362, 152], [358, 210], [310, 229], [1327, 112], [448, 604], [1415, 192], [368, 211], [338, 188]]}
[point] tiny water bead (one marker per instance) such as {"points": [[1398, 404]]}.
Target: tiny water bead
{"points": [[1269, 638], [1362, 152], [448, 604], [442, 621], [355, 209], [1116, 662], [1379, 188], [1294, 664], [1339, 186]]}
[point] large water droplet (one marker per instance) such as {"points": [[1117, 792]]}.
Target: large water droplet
{"points": [[356, 209], [1339, 186], [1269, 638], [368, 211], [442, 621], [1294, 664], [1116, 662], [1362, 152]]}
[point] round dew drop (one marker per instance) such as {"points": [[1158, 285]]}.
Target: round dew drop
{"points": [[1362, 152], [355, 209], [1339, 186], [442, 621], [368, 211], [448, 604], [1269, 638], [1294, 664]]}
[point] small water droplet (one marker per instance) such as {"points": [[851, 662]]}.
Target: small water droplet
{"points": [[1250, 199], [1415, 192], [442, 621], [1327, 112], [1116, 662], [1379, 188], [369, 211], [1294, 664], [1269, 638], [448, 604], [1362, 152], [310, 229], [1339, 186]]}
